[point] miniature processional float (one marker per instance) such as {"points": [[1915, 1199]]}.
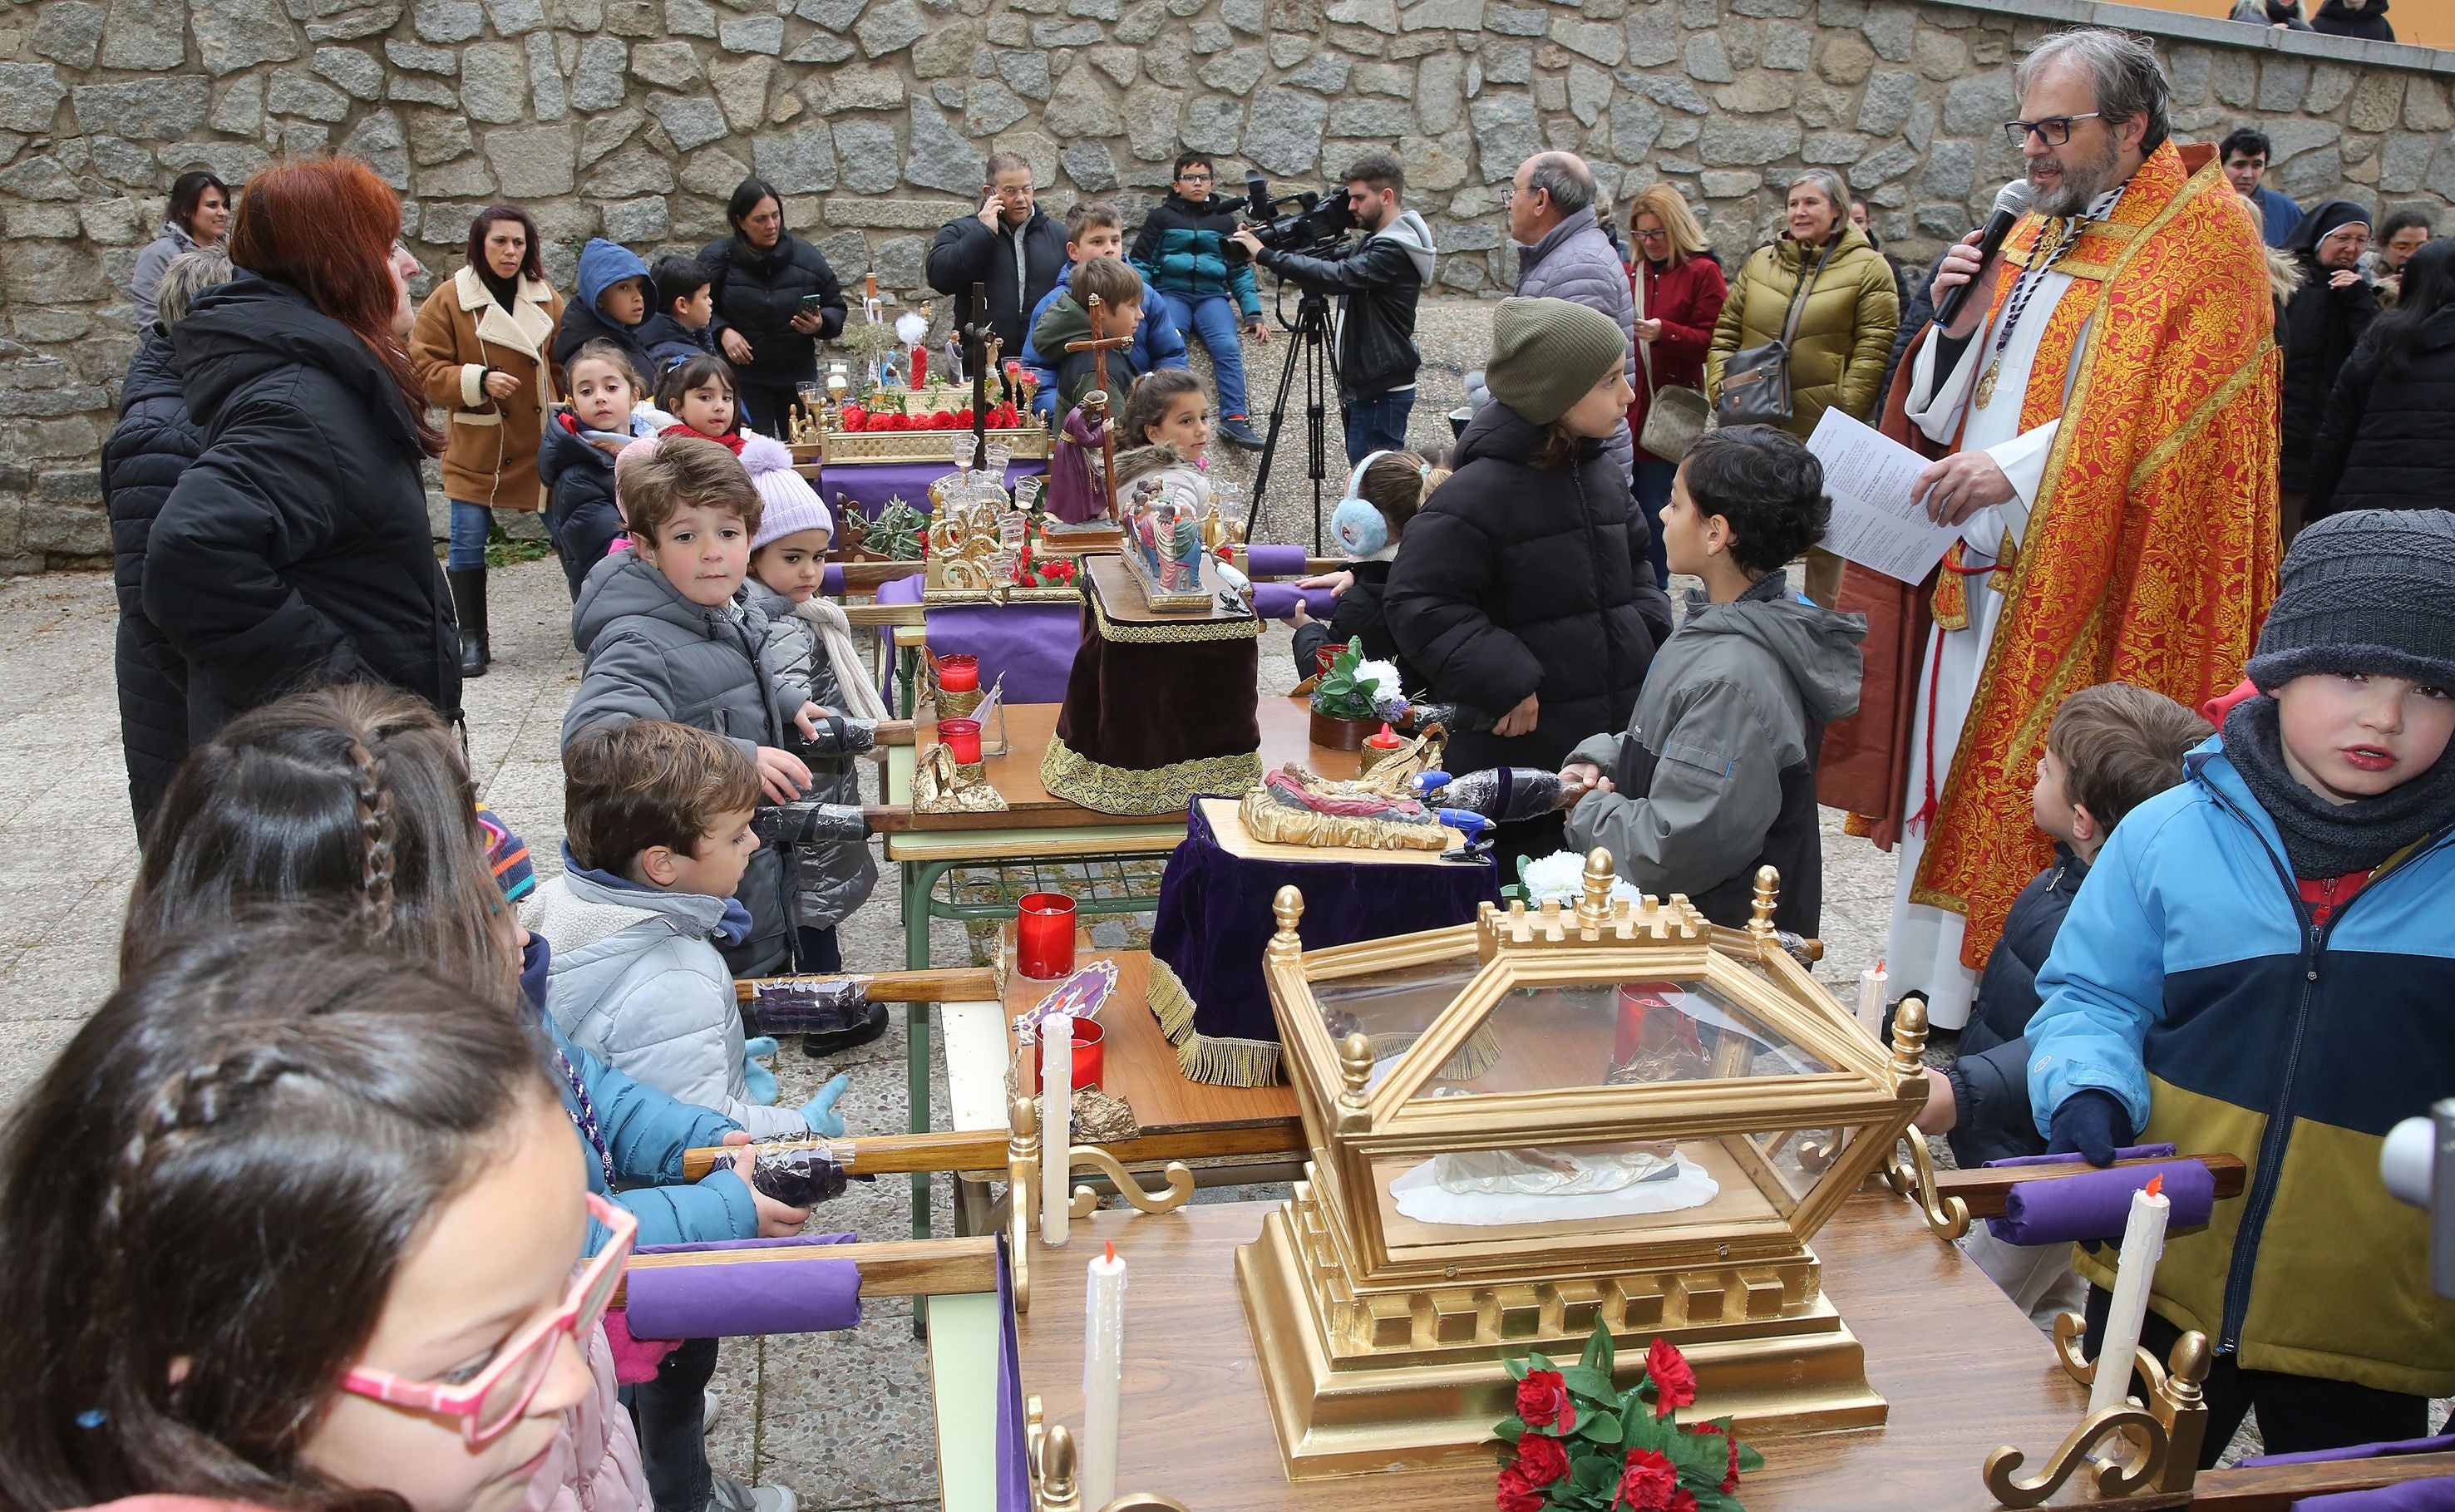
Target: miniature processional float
{"points": [[1614, 1112]]}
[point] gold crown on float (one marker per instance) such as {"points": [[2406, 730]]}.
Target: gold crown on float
{"points": [[1597, 918]]}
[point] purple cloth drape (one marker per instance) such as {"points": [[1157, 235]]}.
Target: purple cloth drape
{"points": [[2097, 1205], [1032, 645], [810, 1296], [1013, 1465], [2437, 1494], [2445, 1443], [1278, 600], [867, 487], [1269, 559]]}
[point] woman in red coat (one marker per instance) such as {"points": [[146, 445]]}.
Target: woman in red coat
{"points": [[1679, 291]]}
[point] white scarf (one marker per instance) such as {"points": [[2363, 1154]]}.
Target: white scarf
{"points": [[834, 634]]}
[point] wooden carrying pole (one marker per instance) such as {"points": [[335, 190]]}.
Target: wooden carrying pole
{"points": [[967, 984], [1986, 1188]]}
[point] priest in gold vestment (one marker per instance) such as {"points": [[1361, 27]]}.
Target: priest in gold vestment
{"points": [[2108, 401]]}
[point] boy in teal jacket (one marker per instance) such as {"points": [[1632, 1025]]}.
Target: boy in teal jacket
{"points": [[1182, 253], [2260, 964]]}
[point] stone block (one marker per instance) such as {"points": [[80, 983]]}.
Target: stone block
{"points": [[1635, 126], [1141, 23], [1747, 143], [2403, 159], [1789, 47], [901, 264], [1206, 37], [2291, 138], [666, 65], [535, 161], [991, 107], [2424, 106], [120, 162], [1502, 63], [112, 222], [231, 162], [378, 140], [1214, 123], [1378, 15], [1091, 166], [1607, 44], [635, 221], [1652, 35], [820, 47], [2311, 175], [1440, 91], [752, 35], [889, 27], [1720, 183], [51, 274], [418, 58], [1759, 93], [469, 178], [713, 172], [633, 170], [1703, 59], [162, 109], [493, 82], [438, 136], [1095, 10], [1951, 171], [1084, 108], [30, 96], [349, 26], [353, 71], [1884, 109], [1236, 71], [1436, 165], [2330, 84], [2187, 70], [1505, 134], [939, 157], [741, 86], [2439, 178], [71, 529], [896, 215], [689, 120], [2233, 75], [1830, 148], [1892, 30], [1939, 55], [835, 15], [603, 134], [549, 101], [2378, 101], [294, 138], [1981, 104], [2282, 81], [949, 48], [1371, 118], [1282, 134], [513, 18], [447, 21], [865, 89], [49, 222], [70, 32], [234, 35]]}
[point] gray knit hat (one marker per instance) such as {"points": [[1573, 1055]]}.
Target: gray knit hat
{"points": [[1547, 353], [2371, 591]]}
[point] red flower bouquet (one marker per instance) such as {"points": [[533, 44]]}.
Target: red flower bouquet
{"points": [[1577, 1440]]}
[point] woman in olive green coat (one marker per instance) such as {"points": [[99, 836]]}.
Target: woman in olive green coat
{"points": [[1845, 333]]}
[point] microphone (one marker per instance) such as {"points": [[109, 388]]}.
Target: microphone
{"points": [[2010, 206]]}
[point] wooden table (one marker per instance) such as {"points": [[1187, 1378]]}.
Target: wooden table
{"points": [[1961, 1366]]}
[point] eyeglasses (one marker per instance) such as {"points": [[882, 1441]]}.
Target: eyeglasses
{"points": [[1655, 235], [500, 1392], [2052, 132], [1194, 178], [1509, 196]]}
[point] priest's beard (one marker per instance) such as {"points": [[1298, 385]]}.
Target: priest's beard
{"points": [[2081, 181]]}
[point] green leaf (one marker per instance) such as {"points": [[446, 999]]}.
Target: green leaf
{"points": [[1641, 1430], [1714, 1499], [1600, 1352], [1602, 1427], [1591, 1386], [1512, 1428], [1516, 1368], [1592, 1471], [1539, 1360], [1748, 1458]]}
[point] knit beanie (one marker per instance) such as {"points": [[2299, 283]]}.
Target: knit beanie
{"points": [[2372, 590], [1547, 353], [790, 506]]}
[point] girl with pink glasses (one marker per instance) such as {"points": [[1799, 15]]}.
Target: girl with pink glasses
{"points": [[296, 1222]]}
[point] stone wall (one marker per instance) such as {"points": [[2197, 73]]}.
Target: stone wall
{"points": [[633, 118]]}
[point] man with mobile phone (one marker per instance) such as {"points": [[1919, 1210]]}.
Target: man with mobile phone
{"points": [[1008, 246]]}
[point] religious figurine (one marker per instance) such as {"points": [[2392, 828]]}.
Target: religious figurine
{"points": [[1078, 481], [1164, 535]]}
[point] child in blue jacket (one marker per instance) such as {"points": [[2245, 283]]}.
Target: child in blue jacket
{"points": [[2260, 964], [1093, 230], [1183, 251]]}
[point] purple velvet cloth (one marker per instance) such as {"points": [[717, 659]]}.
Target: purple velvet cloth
{"points": [[2129, 1152], [810, 1296], [1031, 644], [2437, 1494], [832, 584], [2445, 1443], [1278, 600], [2097, 1205], [1214, 918], [867, 486], [1273, 561], [1014, 1463]]}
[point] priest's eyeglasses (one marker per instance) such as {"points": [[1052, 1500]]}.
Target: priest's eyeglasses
{"points": [[2052, 132], [494, 1398]]}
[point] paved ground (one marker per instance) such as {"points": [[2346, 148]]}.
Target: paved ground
{"points": [[842, 1418]]}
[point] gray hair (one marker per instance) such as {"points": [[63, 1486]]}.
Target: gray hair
{"points": [[185, 276], [1828, 182], [2123, 77], [1564, 177]]}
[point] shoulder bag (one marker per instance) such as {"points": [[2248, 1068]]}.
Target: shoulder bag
{"points": [[1675, 415], [1755, 380]]}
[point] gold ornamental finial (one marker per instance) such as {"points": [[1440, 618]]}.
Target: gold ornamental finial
{"points": [[1768, 892], [1909, 1037], [2188, 1367], [1595, 905], [1057, 1489], [1287, 908], [1355, 1069]]}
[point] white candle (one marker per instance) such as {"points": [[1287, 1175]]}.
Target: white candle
{"points": [[1871, 1001], [1104, 1372], [2143, 1243], [1056, 1124]]}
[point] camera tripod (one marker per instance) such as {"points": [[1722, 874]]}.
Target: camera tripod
{"points": [[1312, 351]]}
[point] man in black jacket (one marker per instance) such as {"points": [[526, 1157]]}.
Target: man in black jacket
{"points": [[1009, 248], [1378, 281]]}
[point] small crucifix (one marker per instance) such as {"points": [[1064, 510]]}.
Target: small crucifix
{"points": [[1099, 346], [980, 355]]}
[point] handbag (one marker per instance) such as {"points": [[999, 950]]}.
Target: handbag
{"points": [[1755, 380], [1676, 414]]}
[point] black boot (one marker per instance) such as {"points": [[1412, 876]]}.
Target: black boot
{"points": [[469, 606]]}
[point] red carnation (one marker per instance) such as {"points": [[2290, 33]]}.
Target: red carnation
{"points": [[1684, 1502], [1515, 1494], [1730, 1441], [1541, 1458], [1675, 1383], [1647, 1482], [1543, 1401]]}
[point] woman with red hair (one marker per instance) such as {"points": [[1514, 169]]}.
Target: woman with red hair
{"points": [[295, 550]]}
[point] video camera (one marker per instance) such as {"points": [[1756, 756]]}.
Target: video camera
{"points": [[1316, 224]]}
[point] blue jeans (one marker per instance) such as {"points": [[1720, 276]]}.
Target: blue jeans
{"points": [[670, 1415], [1653, 480], [1377, 424], [1213, 319], [470, 523]]}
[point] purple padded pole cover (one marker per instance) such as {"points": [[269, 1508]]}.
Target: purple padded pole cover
{"points": [[2097, 1205], [1278, 600], [809, 1295], [2437, 1494], [1275, 560]]}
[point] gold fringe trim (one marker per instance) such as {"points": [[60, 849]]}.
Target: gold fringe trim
{"points": [[1208, 1058], [1249, 628], [1068, 773], [1480, 1053]]}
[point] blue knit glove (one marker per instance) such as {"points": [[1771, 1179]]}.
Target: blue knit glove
{"points": [[819, 1112], [760, 1081], [2090, 1123]]}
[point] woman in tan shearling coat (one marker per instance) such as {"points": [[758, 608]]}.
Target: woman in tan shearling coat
{"points": [[481, 345], [1845, 333]]}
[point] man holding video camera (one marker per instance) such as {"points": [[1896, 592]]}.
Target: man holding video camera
{"points": [[1378, 281]]}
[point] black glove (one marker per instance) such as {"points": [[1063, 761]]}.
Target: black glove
{"points": [[2090, 1123]]}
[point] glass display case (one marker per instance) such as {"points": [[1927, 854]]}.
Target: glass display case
{"points": [[1517, 1126]]}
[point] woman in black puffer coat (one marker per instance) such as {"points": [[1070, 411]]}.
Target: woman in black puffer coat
{"points": [[776, 300], [152, 444], [2388, 439], [1523, 589], [295, 550]]}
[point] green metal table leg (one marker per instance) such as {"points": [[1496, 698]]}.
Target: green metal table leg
{"points": [[920, 880]]}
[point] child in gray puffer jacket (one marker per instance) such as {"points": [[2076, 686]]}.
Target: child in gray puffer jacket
{"points": [[808, 644]]}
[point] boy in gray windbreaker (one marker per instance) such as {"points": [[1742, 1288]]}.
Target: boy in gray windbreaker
{"points": [[657, 817], [1716, 775]]}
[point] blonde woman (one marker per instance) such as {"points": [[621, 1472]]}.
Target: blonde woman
{"points": [[1676, 285]]}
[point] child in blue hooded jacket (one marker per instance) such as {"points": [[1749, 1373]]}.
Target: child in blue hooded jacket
{"points": [[2260, 964], [616, 294]]}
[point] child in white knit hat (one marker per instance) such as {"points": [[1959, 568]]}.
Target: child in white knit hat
{"points": [[809, 642]]}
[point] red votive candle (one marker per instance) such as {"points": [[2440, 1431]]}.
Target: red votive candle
{"points": [[1322, 658], [1089, 1041], [959, 673], [1043, 935], [1386, 741], [963, 738]]}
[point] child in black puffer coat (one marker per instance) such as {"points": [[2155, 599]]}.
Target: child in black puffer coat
{"points": [[575, 457], [2110, 749], [152, 444]]}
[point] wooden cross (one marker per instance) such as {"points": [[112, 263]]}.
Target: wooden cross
{"points": [[980, 350], [1099, 346]]}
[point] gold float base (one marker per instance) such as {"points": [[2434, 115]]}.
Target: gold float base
{"points": [[1420, 1409]]}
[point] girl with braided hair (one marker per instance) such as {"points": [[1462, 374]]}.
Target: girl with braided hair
{"points": [[293, 1222]]}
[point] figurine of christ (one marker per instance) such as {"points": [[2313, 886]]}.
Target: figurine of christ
{"points": [[1077, 486]]}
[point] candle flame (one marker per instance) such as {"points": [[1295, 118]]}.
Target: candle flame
{"points": [[2156, 1189], [1112, 1252]]}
